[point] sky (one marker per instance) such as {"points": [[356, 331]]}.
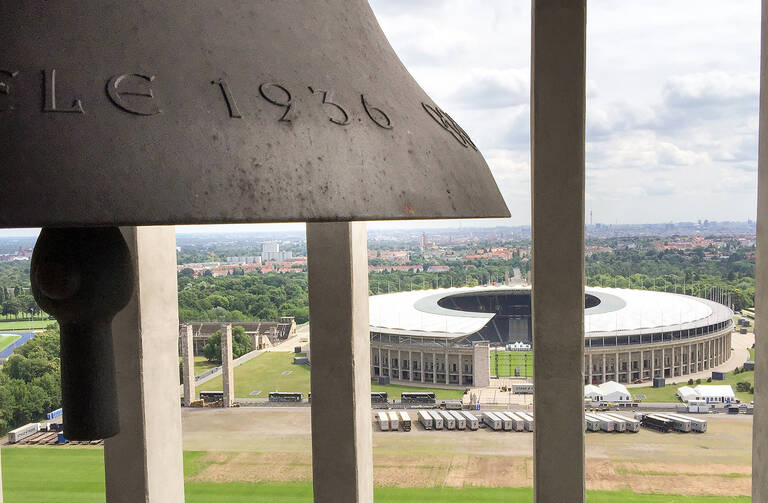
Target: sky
{"points": [[672, 102]]}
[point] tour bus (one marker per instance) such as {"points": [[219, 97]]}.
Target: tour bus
{"points": [[378, 397], [448, 420], [405, 421], [383, 421], [211, 396], [472, 421], [394, 424], [658, 423], [285, 396], [425, 418], [461, 421], [419, 397], [437, 420]]}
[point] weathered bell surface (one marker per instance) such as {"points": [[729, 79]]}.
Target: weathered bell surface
{"points": [[177, 112]]}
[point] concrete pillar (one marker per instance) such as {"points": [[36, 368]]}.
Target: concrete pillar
{"points": [[187, 364], [342, 436], [590, 369], [447, 370], [410, 365], [381, 363], [461, 374], [421, 367], [653, 363], [558, 47], [434, 368], [227, 366], [642, 364], [616, 367], [143, 463], [604, 363]]}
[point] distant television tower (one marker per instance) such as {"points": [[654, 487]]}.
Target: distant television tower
{"points": [[590, 218]]}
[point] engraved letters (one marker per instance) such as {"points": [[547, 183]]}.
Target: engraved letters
{"points": [[449, 125], [49, 77], [287, 102], [5, 89], [118, 96], [234, 112], [133, 93]]}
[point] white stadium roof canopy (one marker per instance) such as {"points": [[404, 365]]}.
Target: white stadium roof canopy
{"points": [[620, 311]]}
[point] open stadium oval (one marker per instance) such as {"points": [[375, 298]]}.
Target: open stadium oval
{"points": [[445, 337]]}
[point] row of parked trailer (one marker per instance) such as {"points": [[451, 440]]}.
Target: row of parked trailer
{"points": [[606, 421], [448, 419], [508, 421], [667, 421]]}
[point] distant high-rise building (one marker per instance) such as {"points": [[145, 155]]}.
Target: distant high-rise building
{"points": [[423, 242], [270, 251]]}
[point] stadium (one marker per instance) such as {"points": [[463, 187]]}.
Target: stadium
{"points": [[445, 337]]}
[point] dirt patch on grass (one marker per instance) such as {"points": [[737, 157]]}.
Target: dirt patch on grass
{"points": [[255, 467], [670, 478]]}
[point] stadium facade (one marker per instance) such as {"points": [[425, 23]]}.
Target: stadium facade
{"points": [[445, 337]]}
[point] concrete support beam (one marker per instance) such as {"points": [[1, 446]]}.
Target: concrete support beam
{"points": [[227, 366], [187, 364], [342, 436], [143, 463], [558, 44], [760, 421]]}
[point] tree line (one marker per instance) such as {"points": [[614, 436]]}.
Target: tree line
{"points": [[30, 382]]}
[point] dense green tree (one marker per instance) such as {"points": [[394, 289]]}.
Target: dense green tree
{"points": [[241, 344]]}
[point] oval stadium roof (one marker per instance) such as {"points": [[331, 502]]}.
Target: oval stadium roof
{"points": [[620, 311]]}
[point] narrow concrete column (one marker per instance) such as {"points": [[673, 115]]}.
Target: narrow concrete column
{"points": [[447, 370], [604, 369], [227, 366], [590, 369], [187, 364], [434, 368], [616, 367], [558, 48], [342, 436], [143, 463], [421, 367]]}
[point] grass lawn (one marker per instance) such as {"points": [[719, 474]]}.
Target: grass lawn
{"points": [[503, 363], [201, 365], [751, 353], [24, 325], [71, 474], [669, 392], [7, 340], [266, 373]]}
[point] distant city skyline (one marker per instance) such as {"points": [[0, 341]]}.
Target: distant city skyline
{"points": [[672, 103]]}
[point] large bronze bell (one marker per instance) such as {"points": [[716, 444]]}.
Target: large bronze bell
{"points": [[172, 112]]}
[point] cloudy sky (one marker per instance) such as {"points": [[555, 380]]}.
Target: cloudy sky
{"points": [[671, 109]]}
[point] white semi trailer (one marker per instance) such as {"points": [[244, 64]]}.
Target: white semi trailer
{"points": [[425, 418], [528, 419], [630, 425], [383, 421], [518, 423], [697, 425], [681, 424], [448, 420], [472, 422], [461, 421], [592, 423], [394, 422], [506, 421], [437, 419], [405, 421], [493, 421]]}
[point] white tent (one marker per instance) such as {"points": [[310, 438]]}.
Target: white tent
{"points": [[686, 393], [593, 392], [721, 393], [614, 392]]}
